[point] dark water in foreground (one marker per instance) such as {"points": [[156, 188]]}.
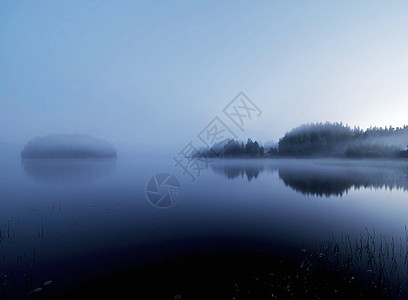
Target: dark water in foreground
{"points": [[69, 221]]}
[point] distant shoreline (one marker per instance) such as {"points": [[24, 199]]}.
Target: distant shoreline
{"points": [[322, 140], [310, 158]]}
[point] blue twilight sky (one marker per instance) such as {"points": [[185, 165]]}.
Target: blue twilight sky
{"points": [[154, 73]]}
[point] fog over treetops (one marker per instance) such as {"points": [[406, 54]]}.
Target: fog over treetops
{"points": [[324, 140], [68, 146], [338, 139]]}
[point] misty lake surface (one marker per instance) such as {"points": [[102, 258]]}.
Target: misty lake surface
{"points": [[67, 220]]}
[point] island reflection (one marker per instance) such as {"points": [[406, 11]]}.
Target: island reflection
{"points": [[68, 170], [320, 178]]}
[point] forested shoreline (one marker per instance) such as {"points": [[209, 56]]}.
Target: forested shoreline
{"points": [[323, 140]]}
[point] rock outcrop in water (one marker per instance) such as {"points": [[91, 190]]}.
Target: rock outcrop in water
{"points": [[68, 146]]}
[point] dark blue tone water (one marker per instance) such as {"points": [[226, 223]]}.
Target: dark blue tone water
{"points": [[68, 221]]}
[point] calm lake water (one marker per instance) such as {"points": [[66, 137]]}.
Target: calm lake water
{"points": [[66, 221]]}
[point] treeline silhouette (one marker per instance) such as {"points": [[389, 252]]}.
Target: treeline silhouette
{"points": [[234, 148], [337, 139], [325, 140]]}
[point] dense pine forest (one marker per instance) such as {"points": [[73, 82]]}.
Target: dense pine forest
{"points": [[324, 140]]}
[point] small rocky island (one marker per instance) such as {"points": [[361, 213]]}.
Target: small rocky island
{"points": [[68, 146]]}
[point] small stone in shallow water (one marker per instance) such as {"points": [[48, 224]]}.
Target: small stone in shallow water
{"points": [[34, 291]]}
